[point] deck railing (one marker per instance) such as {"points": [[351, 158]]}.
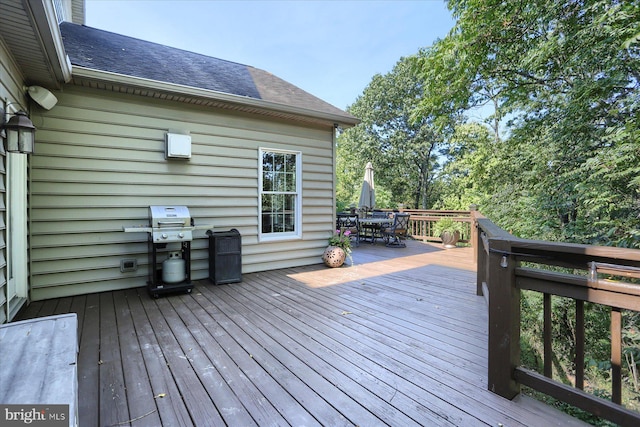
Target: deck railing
{"points": [[501, 277], [422, 221]]}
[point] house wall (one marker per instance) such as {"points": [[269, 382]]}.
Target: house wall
{"points": [[99, 164], [12, 98]]}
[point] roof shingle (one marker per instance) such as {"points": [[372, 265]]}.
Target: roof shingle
{"points": [[106, 51]]}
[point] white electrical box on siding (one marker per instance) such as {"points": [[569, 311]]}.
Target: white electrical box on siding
{"points": [[178, 146]]}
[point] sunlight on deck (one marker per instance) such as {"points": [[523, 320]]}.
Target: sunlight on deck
{"points": [[360, 271]]}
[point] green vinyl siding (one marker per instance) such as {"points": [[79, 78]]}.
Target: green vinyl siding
{"points": [[100, 163]]}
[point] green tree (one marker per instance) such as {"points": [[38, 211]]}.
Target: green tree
{"points": [[472, 160], [566, 76], [404, 152]]}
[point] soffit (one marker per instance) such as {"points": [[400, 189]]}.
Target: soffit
{"points": [[30, 31]]}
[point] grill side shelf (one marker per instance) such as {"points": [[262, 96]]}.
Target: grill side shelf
{"points": [[137, 229]]}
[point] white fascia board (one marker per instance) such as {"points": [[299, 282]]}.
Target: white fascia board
{"points": [[47, 28]]}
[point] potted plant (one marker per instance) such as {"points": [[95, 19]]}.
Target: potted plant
{"points": [[449, 231], [338, 250]]}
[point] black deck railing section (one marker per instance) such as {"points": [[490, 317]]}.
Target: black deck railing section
{"points": [[507, 265]]}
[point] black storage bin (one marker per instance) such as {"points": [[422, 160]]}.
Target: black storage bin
{"points": [[225, 256]]}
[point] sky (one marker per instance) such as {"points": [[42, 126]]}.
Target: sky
{"points": [[329, 48]]}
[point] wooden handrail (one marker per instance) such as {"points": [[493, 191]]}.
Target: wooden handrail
{"points": [[501, 277]]}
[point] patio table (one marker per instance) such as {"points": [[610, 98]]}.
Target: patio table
{"points": [[371, 226]]}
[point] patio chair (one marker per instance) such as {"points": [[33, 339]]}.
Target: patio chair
{"points": [[394, 234], [350, 223]]}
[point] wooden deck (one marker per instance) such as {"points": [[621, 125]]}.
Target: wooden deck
{"points": [[398, 339]]}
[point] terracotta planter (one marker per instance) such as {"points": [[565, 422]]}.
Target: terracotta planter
{"points": [[334, 256], [449, 239]]}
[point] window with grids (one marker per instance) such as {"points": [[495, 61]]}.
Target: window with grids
{"points": [[280, 187]]}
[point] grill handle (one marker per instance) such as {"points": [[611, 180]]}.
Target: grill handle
{"points": [[161, 223]]}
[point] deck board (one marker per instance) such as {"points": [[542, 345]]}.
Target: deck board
{"points": [[170, 406], [88, 359], [205, 332], [140, 397], [295, 399], [194, 394], [371, 339], [113, 395], [399, 339], [218, 390], [302, 363], [360, 377]]}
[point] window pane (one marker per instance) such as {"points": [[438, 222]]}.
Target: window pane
{"points": [[267, 227], [289, 202], [278, 162], [290, 160], [281, 184], [291, 182], [289, 222], [267, 162], [267, 181], [267, 203]]}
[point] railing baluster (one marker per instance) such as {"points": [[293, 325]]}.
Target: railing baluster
{"points": [[548, 345], [482, 256], [579, 359], [616, 355]]}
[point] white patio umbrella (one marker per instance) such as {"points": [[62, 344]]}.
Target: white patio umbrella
{"points": [[368, 192]]}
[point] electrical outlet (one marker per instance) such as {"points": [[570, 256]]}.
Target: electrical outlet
{"points": [[127, 265]]}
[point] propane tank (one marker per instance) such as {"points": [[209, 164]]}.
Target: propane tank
{"points": [[173, 270]]}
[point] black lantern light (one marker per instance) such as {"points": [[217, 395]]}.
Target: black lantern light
{"points": [[20, 133]]}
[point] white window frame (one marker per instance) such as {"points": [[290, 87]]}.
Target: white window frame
{"points": [[285, 235]]}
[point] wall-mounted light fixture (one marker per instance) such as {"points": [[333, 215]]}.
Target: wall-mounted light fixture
{"points": [[42, 96], [504, 261], [19, 130], [20, 133]]}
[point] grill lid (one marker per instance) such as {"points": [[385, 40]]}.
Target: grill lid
{"points": [[169, 216]]}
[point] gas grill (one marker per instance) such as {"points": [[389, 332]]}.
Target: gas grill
{"points": [[170, 233], [170, 224]]}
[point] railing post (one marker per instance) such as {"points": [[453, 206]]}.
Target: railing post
{"points": [[479, 251], [482, 259], [474, 230], [504, 320]]}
